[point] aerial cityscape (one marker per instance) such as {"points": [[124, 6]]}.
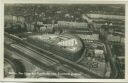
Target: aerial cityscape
{"points": [[64, 41]]}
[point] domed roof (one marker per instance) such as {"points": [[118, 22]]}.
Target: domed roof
{"points": [[67, 41]]}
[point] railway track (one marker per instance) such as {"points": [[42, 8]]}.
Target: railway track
{"points": [[40, 61], [69, 65], [43, 61]]}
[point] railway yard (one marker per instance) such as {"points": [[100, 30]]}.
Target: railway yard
{"points": [[64, 41]]}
